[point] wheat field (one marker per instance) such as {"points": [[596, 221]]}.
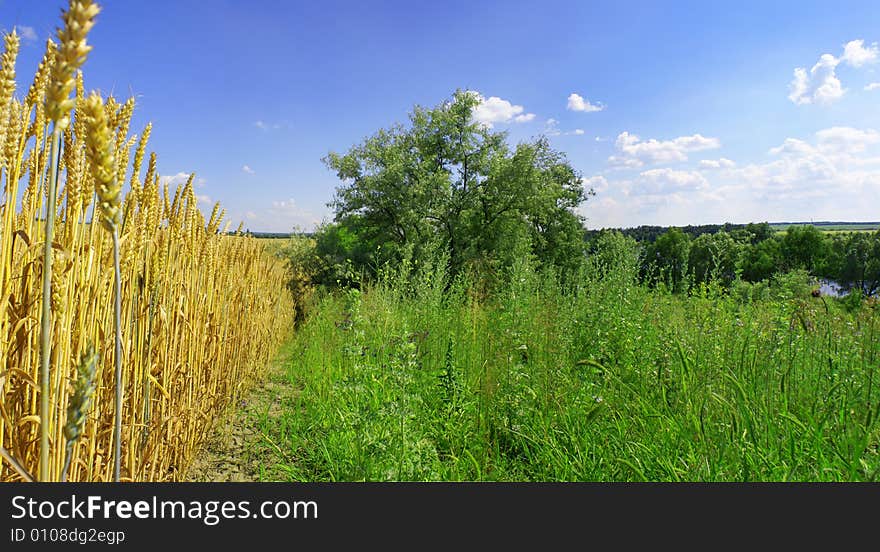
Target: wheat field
{"points": [[194, 329]]}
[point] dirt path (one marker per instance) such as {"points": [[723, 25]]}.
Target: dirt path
{"points": [[238, 448]]}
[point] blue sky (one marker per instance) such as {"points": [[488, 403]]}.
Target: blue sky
{"points": [[675, 112]]}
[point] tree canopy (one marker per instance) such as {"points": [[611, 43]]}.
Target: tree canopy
{"points": [[447, 180]]}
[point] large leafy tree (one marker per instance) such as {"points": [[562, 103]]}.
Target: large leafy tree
{"points": [[447, 178]]}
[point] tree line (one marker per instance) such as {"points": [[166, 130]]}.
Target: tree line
{"points": [[649, 233], [851, 259]]}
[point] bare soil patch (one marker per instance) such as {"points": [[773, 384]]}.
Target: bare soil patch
{"points": [[238, 449]]}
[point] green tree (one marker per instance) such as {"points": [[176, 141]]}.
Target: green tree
{"points": [[667, 259], [761, 260], [338, 250], [858, 264], [610, 251], [713, 256], [759, 231], [803, 247], [447, 177]]}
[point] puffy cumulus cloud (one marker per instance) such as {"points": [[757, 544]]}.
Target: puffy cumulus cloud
{"points": [[792, 146], [576, 102], [791, 177], [633, 152], [820, 85], [839, 163], [247, 169], [856, 55], [846, 139], [833, 174], [872, 86], [493, 110], [174, 180], [722, 163], [629, 200], [836, 145], [659, 181]]}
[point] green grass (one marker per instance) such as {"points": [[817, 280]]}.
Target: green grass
{"points": [[603, 381]]}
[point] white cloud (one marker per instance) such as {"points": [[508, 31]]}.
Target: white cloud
{"points": [[845, 139], [634, 153], [551, 128], [835, 166], [28, 34], [856, 55], [576, 102], [792, 146], [721, 163], [659, 181], [623, 162], [493, 110], [872, 86], [832, 145], [820, 85], [597, 183], [174, 180], [247, 170], [179, 179], [202, 199], [833, 174]]}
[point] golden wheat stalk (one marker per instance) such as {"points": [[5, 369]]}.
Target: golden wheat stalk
{"points": [[107, 186], [72, 50]]}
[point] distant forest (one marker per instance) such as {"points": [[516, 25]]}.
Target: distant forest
{"points": [[648, 234]]}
